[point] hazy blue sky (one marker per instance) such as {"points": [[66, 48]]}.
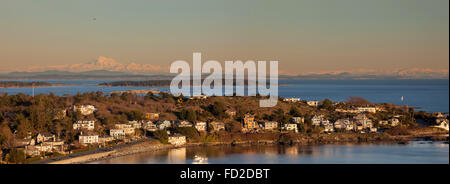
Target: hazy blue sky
{"points": [[305, 36]]}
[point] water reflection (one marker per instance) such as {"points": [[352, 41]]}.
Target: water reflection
{"points": [[273, 154]]}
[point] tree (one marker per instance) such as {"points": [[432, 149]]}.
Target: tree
{"points": [[16, 156], [327, 104], [161, 135], [357, 101]]}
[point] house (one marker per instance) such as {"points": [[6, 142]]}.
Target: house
{"points": [[443, 124], [152, 116], [183, 124], [135, 124], [346, 110], [200, 126], [313, 103], [343, 124], [216, 126], [270, 125], [163, 124], [84, 124], [128, 128], [373, 130], [249, 122], [88, 138], [149, 126], [319, 120], [290, 127], [366, 109], [44, 137], [363, 120], [298, 120], [177, 139], [394, 122], [85, 110], [105, 139], [328, 127], [117, 133], [291, 100], [316, 120]]}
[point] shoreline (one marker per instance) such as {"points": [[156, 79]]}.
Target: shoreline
{"points": [[151, 146]]}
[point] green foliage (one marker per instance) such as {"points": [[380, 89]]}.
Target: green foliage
{"points": [[190, 132], [16, 156], [218, 110], [161, 135], [135, 115], [189, 115], [327, 104]]}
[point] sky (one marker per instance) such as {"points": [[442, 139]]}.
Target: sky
{"points": [[303, 35]]}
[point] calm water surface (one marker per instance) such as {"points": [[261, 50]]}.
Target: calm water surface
{"points": [[428, 95], [417, 152]]}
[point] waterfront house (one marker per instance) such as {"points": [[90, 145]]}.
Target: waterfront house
{"points": [[85, 110], [117, 133], [200, 126], [84, 125], [177, 139], [342, 123], [44, 137], [443, 124], [249, 122], [328, 127], [373, 130], [383, 122], [290, 127], [363, 120], [270, 125], [297, 120], [216, 126], [88, 138], [316, 120]]}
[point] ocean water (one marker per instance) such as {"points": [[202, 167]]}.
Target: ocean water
{"points": [[428, 95], [417, 152]]}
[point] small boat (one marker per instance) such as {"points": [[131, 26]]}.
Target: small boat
{"points": [[200, 160]]}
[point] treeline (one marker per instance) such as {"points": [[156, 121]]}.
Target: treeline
{"points": [[8, 84]]}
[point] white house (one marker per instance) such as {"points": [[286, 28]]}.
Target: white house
{"points": [[291, 100], [394, 122], [84, 109], [177, 139], [366, 109], [200, 126], [363, 120], [217, 126], [163, 124], [84, 124], [290, 127], [270, 125], [44, 137], [88, 138], [313, 103], [443, 124], [117, 133]]}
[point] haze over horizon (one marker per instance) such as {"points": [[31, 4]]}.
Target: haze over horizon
{"points": [[306, 37]]}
